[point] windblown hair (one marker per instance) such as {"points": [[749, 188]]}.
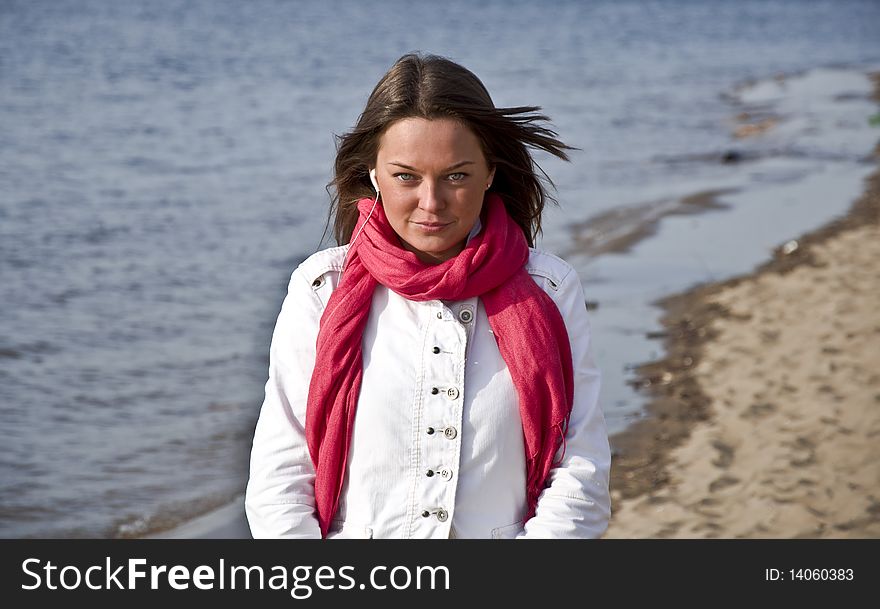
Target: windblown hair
{"points": [[431, 87]]}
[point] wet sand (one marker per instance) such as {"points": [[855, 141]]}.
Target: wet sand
{"points": [[764, 419], [618, 230]]}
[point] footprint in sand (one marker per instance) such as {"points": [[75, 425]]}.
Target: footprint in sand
{"points": [[758, 410], [805, 452], [722, 482], [725, 454]]}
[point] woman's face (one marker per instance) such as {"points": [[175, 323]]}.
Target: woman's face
{"points": [[432, 177]]}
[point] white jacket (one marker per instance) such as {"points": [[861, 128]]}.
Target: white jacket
{"points": [[437, 447]]}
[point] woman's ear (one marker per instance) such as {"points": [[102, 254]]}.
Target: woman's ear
{"points": [[491, 177]]}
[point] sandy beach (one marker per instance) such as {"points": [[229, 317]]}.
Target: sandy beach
{"points": [[764, 419]]}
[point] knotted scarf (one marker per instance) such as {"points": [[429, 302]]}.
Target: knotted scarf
{"points": [[527, 325]]}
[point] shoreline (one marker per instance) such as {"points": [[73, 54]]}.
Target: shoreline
{"points": [[721, 332], [677, 401]]}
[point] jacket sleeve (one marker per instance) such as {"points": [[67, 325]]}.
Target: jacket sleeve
{"points": [[576, 502], [280, 499]]}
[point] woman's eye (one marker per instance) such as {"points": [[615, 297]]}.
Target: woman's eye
{"points": [[404, 177], [457, 177]]}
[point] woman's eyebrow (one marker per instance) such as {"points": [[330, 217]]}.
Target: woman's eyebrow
{"points": [[450, 168]]}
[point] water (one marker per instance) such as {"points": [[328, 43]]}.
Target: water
{"points": [[162, 171]]}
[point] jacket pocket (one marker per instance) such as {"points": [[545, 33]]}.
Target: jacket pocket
{"points": [[346, 530], [508, 532]]}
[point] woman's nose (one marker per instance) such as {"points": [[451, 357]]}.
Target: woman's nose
{"points": [[430, 197]]}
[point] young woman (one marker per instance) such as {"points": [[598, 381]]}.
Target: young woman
{"points": [[432, 377]]}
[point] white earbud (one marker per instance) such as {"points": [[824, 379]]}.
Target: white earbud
{"points": [[374, 181]]}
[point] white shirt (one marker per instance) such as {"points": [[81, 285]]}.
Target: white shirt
{"points": [[437, 448]]}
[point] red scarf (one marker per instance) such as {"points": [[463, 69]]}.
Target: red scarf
{"points": [[528, 328]]}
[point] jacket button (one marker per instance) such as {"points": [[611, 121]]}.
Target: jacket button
{"points": [[425, 514], [450, 433], [466, 316], [442, 515], [429, 473], [446, 474], [452, 392], [430, 431], [439, 314], [436, 350], [434, 391]]}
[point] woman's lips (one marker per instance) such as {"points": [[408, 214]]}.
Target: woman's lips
{"points": [[432, 227]]}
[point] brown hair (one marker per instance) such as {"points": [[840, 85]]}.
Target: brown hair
{"points": [[430, 87]]}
